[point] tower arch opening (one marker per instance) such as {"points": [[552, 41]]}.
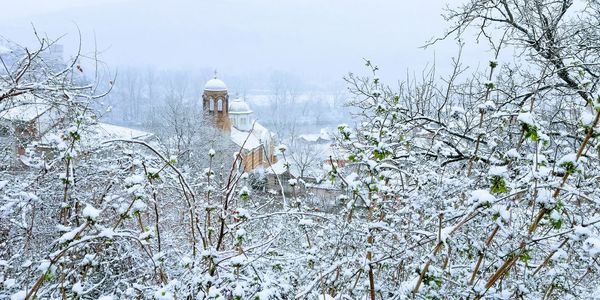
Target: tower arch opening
{"points": [[220, 105]]}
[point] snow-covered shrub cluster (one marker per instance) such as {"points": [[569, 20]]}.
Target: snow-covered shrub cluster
{"points": [[485, 203], [487, 186]]}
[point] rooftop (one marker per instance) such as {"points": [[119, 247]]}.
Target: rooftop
{"points": [[239, 106], [215, 85]]}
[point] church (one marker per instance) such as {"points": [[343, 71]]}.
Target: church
{"points": [[237, 119]]}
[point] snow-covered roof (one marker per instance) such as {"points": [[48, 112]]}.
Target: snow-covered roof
{"points": [[24, 108], [309, 137], [262, 132], [239, 106], [334, 151], [215, 85], [277, 168], [257, 135], [110, 131], [248, 139], [25, 112], [321, 137], [280, 168]]}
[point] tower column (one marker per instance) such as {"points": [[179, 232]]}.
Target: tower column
{"points": [[215, 103]]}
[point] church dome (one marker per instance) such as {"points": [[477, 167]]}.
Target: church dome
{"points": [[215, 85], [239, 106]]}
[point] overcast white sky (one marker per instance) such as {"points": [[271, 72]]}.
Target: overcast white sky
{"points": [[321, 39]]}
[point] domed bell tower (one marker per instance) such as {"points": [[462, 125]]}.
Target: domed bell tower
{"points": [[215, 103]]}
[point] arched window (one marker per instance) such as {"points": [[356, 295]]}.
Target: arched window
{"points": [[220, 105], [211, 104]]}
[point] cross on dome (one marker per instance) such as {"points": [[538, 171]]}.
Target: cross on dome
{"points": [[215, 84]]}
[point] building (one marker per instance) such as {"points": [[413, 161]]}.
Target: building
{"points": [[48, 59], [31, 124], [237, 119]]}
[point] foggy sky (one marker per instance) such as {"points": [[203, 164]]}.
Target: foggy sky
{"points": [[318, 39]]}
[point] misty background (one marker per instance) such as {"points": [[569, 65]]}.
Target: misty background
{"points": [[286, 58]]}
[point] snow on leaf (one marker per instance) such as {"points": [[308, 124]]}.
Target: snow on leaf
{"points": [[501, 171], [482, 197], [20, 295], [592, 246], [513, 153], [527, 118], [580, 233], [163, 294], [9, 283], [90, 212], [70, 235], [238, 261], [44, 265], [134, 179], [586, 118], [306, 222], [77, 288]]}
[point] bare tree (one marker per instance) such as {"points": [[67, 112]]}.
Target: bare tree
{"points": [[305, 157]]}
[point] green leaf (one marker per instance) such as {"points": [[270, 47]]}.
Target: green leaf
{"points": [[498, 185]]}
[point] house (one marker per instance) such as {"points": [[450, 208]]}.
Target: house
{"points": [[30, 123], [279, 175], [25, 118]]}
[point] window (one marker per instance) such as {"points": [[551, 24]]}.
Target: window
{"points": [[220, 105], [211, 104], [243, 121]]}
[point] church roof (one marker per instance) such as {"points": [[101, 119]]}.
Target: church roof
{"points": [[215, 85], [246, 139], [252, 138], [239, 106]]}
